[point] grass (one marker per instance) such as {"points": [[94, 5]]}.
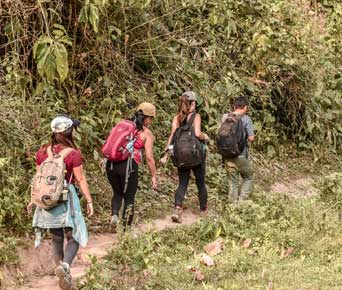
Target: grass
{"points": [[159, 260]]}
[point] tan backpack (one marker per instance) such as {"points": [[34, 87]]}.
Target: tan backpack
{"points": [[49, 187]]}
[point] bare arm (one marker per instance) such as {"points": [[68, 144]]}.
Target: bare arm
{"points": [[82, 181], [149, 157], [197, 128], [175, 125], [149, 154]]}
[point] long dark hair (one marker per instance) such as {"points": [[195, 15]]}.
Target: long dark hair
{"points": [[183, 108], [65, 139], [139, 119]]}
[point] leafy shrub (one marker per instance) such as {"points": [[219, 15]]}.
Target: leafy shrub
{"points": [[330, 188]]}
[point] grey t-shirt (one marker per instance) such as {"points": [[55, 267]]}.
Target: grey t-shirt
{"points": [[248, 130]]}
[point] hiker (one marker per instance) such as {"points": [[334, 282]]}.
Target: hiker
{"points": [[64, 218], [186, 154], [123, 150], [235, 132]]}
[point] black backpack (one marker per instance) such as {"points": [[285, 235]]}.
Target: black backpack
{"points": [[187, 149], [230, 139]]}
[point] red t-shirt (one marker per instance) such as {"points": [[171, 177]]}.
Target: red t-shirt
{"points": [[138, 146], [74, 159]]}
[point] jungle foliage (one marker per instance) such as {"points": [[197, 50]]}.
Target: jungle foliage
{"points": [[270, 242], [97, 59]]}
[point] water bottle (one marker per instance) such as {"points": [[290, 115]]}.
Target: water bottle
{"points": [[171, 149]]}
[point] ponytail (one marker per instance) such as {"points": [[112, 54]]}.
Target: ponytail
{"points": [[139, 118], [183, 108]]}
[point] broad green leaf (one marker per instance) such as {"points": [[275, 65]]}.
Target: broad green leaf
{"points": [[57, 32], [50, 67], [83, 17], [61, 62], [45, 39], [100, 2], [60, 27], [94, 17], [66, 40], [41, 62], [39, 89]]}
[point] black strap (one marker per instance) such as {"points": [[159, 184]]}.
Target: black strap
{"points": [[190, 121], [192, 118]]}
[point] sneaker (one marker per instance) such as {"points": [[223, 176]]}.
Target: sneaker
{"points": [[63, 273], [114, 220], [203, 213], [177, 215]]}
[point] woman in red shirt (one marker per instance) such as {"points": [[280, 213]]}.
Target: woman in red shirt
{"points": [[116, 171], [65, 219]]}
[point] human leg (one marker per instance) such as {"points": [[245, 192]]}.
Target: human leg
{"points": [[115, 180], [71, 248], [63, 269], [129, 196], [199, 173], [183, 177], [57, 244], [233, 178], [246, 171]]}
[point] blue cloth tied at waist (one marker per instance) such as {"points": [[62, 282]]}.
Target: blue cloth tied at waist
{"points": [[61, 217]]}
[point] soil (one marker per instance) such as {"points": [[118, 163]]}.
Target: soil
{"points": [[295, 187], [37, 266]]}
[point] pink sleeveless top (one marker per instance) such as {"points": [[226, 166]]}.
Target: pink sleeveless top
{"points": [[138, 146]]}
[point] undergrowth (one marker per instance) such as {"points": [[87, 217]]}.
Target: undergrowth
{"points": [[294, 244]]}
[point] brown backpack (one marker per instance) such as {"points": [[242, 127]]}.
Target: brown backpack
{"points": [[49, 187]]}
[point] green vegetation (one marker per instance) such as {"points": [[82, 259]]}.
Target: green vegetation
{"points": [[294, 244], [97, 59]]}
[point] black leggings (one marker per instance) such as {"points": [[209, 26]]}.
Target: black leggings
{"points": [[71, 248], [116, 173], [184, 177]]}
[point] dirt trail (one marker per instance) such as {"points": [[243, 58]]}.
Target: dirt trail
{"points": [[98, 246]]}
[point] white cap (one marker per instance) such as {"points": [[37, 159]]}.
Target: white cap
{"points": [[191, 95], [60, 124]]}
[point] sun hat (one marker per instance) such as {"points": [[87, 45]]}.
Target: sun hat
{"points": [[148, 109]]}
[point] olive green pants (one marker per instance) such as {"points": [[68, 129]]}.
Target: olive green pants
{"points": [[236, 167]]}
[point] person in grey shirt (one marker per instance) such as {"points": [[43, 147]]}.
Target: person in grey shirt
{"points": [[240, 165]]}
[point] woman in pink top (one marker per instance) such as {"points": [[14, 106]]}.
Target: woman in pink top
{"points": [[116, 171]]}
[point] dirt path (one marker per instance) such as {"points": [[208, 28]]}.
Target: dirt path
{"points": [[98, 246]]}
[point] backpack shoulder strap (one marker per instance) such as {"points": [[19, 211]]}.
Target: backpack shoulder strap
{"points": [[65, 152], [192, 118]]}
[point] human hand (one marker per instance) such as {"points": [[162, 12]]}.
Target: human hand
{"points": [[206, 137], [29, 207], [163, 159], [103, 162], [90, 209], [154, 183]]}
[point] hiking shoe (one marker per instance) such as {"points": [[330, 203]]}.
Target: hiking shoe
{"points": [[114, 222], [203, 213], [177, 215], [63, 274]]}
